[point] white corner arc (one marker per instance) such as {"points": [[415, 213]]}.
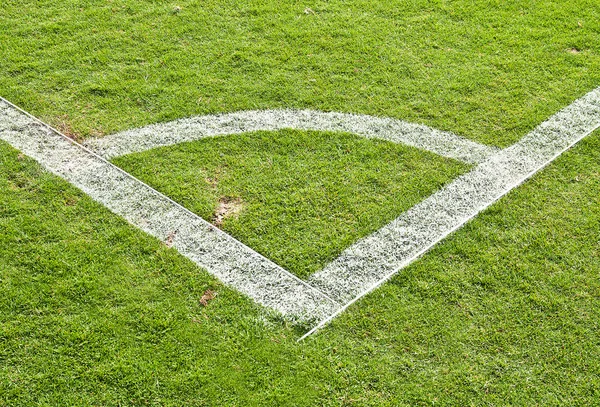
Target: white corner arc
{"points": [[359, 269], [195, 128]]}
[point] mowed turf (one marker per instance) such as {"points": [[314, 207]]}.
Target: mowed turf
{"points": [[503, 312], [297, 197], [490, 71]]}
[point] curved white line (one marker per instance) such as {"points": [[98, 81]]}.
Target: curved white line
{"points": [[195, 128], [220, 254], [373, 260], [361, 268]]}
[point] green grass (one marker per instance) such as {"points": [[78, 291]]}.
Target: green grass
{"points": [[503, 312], [304, 196], [490, 71]]}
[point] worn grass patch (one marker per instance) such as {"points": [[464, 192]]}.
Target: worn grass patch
{"points": [[297, 197]]}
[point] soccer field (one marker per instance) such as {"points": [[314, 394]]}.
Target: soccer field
{"points": [[97, 307]]}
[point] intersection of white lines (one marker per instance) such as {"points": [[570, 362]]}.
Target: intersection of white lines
{"points": [[362, 267]]}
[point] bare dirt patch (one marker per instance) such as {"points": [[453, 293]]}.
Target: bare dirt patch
{"points": [[206, 297], [228, 207]]}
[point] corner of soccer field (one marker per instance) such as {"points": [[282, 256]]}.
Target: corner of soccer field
{"points": [[223, 177]]}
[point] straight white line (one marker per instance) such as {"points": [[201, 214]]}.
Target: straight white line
{"points": [[453, 206], [223, 256], [195, 128], [362, 267]]}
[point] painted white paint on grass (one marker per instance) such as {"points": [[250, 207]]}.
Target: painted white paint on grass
{"points": [[195, 128], [223, 256], [362, 267], [384, 252], [373, 260]]}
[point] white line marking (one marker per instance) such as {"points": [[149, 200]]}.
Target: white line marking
{"points": [[372, 261], [223, 256], [362, 267], [195, 128]]}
